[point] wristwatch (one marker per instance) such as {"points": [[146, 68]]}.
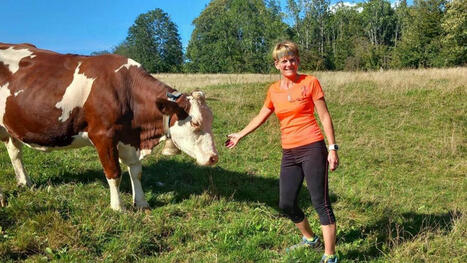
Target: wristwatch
{"points": [[333, 147]]}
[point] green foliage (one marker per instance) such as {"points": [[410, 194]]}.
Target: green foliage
{"points": [[379, 21], [420, 43], [235, 36], [455, 29], [238, 35], [311, 30], [345, 32], [153, 41]]}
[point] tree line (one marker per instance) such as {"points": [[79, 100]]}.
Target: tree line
{"points": [[234, 36]]}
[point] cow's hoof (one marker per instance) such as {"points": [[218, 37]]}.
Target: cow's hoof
{"points": [[118, 208], [141, 205]]}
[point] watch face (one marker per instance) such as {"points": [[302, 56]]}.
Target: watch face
{"points": [[333, 147]]}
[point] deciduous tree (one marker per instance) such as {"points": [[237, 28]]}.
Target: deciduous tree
{"points": [[235, 36], [153, 41]]}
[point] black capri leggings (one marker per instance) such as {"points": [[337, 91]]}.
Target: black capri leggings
{"points": [[309, 162]]}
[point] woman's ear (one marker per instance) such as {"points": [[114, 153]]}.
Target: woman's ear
{"points": [[276, 64]]}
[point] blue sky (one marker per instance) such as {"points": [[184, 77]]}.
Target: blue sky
{"points": [[84, 26]]}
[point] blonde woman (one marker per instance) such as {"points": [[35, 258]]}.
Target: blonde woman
{"points": [[293, 99]]}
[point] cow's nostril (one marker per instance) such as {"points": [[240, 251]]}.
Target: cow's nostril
{"points": [[213, 159]]}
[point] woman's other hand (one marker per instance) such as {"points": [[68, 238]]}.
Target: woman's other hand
{"points": [[333, 160]]}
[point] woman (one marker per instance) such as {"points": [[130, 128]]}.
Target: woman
{"points": [[294, 98]]}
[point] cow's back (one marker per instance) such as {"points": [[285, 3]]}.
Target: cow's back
{"points": [[43, 93]]}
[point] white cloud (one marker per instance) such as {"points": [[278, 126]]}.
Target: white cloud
{"points": [[338, 5]]}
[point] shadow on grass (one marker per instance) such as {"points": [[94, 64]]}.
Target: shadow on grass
{"points": [[185, 179], [394, 229], [84, 177]]}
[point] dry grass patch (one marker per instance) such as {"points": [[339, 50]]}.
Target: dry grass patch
{"points": [[185, 82]]}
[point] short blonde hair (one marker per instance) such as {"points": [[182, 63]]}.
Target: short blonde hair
{"points": [[285, 48]]}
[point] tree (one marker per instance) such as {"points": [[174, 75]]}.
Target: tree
{"points": [[235, 36], [122, 49], [454, 42], [310, 19], [346, 35], [98, 53], [153, 41], [379, 23], [402, 20], [420, 43]]}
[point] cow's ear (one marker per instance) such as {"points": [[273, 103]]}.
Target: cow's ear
{"points": [[167, 107]]}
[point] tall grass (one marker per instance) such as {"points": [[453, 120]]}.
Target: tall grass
{"points": [[399, 194]]}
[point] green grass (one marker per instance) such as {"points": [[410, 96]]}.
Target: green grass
{"points": [[399, 192]]}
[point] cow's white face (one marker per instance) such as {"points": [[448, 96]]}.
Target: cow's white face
{"points": [[193, 135]]}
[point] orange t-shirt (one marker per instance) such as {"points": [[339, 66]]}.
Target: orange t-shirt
{"points": [[295, 110]]}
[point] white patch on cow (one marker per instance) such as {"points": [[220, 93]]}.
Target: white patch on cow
{"points": [[4, 94], [130, 157], [75, 95], [11, 57], [129, 63], [18, 92], [115, 201], [80, 140], [196, 141], [14, 148]]}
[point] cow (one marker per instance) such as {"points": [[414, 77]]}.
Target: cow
{"points": [[51, 101]]}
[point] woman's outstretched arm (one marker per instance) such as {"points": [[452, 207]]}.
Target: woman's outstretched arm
{"points": [[259, 119]]}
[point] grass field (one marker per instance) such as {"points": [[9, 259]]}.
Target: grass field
{"points": [[398, 195]]}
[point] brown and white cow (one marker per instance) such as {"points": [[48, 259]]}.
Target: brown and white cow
{"points": [[51, 101]]}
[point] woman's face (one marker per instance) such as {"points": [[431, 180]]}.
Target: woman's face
{"points": [[288, 66]]}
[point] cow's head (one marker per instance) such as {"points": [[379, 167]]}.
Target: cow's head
{"points": [[192, 132]]}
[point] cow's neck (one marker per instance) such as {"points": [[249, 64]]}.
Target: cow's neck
{"points": [[147, 118]]}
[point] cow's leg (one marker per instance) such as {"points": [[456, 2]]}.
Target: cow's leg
{"points": [[115, 201], [14, 148], [108, 156], [129, 157]]}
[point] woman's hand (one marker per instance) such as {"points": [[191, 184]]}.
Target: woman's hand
{"points": [[259, 119], [333, 160], [232, 140]]}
